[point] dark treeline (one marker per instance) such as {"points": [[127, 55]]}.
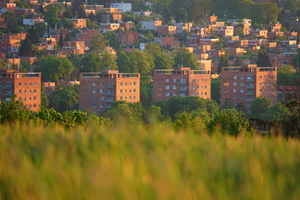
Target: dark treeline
{"points": [[188, 114]]}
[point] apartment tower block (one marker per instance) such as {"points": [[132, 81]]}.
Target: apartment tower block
{"points": [[26, 87], [98, 90], [181, 81], [244, 84]]}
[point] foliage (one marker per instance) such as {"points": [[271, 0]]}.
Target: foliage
{"points": [[160, 58], [185, 57], [134, 162], [51, 14], [146, 89], [41, 28], [135, 62], [95, 63], [66, 98], [263, 57], [259, 106], [123, 111], [13, 110], [2, 64], [26, 48], [230, 121], [33, 35], [54, 68], [215, 90], [286, 75], [98, 43], [179, 104]]}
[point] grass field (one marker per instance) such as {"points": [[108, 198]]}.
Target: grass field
{"points": [[157, 163]]}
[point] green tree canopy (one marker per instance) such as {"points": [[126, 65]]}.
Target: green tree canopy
{"points": [[185, 57], [65, 98], [286, 75], [54, 68], [259, 106], [135, 62], [98, 43], [161, 59], [26, 48], [95, 62], [231, 122]]}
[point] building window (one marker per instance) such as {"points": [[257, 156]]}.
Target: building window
{"points": [[101, 98], [101, 91], [34, 83], [93, 90], [167, 94], [34, 98], [20, 98], [93, 84], [241, 84], [167, 80], [121, 91], [20, 84], [174, 80], [93, 98], [174, 87], [167, 87], [234, 90], [241, 97], [234, 97], [234, 77], [242, 90], [93, 105], [121, 83], [20, 91], [182, 94], [174, 94], [234, 84]]}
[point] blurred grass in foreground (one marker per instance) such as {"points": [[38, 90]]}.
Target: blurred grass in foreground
{"points": [[153, 163]]}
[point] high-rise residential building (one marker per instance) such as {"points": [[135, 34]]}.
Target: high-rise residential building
{"points": [[243, 84], [26, 87], [181, 81], [98, 90]]}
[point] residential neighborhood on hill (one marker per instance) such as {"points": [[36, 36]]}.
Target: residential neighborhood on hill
{"points": [[99, 43]]}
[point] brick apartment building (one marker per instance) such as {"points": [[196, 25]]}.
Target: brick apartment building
{"points": [[244, 84], [98, 90], [27, 87], [181, 81]]}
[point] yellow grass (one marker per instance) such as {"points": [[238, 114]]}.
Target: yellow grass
{"points": [[157, 163]]}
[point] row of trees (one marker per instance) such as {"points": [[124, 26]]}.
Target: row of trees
{"points": [[196, 10], [182, 113]]}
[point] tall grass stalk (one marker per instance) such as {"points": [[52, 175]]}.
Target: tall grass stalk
{"points": [[144, 163]]}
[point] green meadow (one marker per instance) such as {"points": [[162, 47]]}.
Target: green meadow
{"points": [[156, 162]]}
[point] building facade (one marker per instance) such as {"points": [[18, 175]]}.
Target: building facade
{"points": [[26, 86], [244, 84], [181, 81], [98, 90]]}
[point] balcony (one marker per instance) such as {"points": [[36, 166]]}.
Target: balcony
{"points": [[110, 86], [110, 94], [250, 80], [7, 94], [250, 86], [183, 90], [109, 101], [182, 83], [250, 93], [249, 100], [8, 87]]}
